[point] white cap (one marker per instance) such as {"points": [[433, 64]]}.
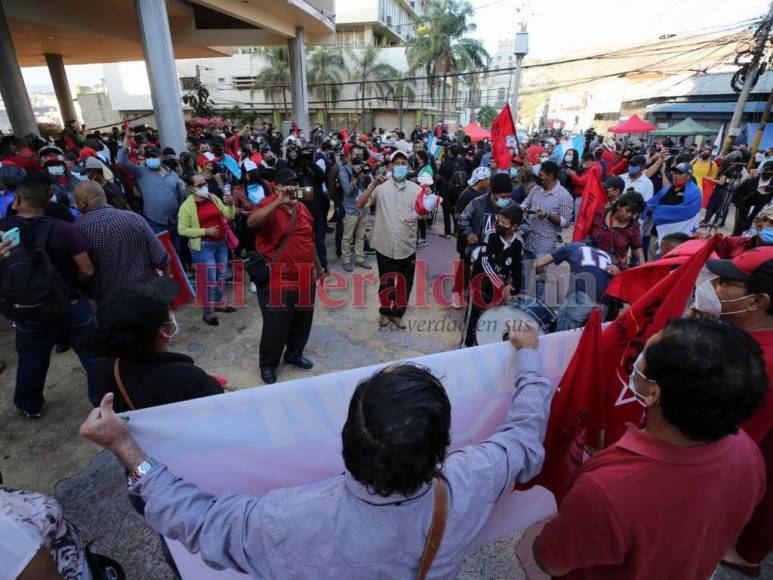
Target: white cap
{"points": [[249, 165], [479, 174], [398, 153]]}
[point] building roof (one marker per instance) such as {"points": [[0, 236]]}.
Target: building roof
{"points": [[704, 107]]}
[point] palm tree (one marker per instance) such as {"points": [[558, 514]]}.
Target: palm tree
{"points": [[276, 76], [440, 46], [365, 67], [326, 69], [401, 92]]}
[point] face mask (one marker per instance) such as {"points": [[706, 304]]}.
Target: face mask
{"points": [[502, 202], [680, 181], [513, 172], [634, 170], [400, 172], [56, 170], [176, 330], [632, 383], [152, 163], [708, 302], [569, 158], [766, 235], [502, 231], [82, 177], [202, 191]]}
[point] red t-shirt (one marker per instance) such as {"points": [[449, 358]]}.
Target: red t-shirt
{"points": [[644, 509], [761, 422], [294, 268], [209, 217]]}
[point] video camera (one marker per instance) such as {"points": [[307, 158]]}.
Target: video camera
{"points": [[301, 193]]}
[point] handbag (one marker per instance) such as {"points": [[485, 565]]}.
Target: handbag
{"points": [[256, 265], [231, 241], [436, 528]]}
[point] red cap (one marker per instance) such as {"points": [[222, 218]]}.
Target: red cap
{"points": [[86, 152], [363, 137], [755, 265]]}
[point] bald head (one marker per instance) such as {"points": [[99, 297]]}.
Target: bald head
{"points": [[89, 194]]}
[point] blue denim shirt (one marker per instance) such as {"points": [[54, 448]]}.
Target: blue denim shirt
{"points": [[336, 528], [351, 193]]}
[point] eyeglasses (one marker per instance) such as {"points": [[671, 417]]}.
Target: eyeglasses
{"points": [[200, 184]]}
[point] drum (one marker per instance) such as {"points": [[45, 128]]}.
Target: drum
{"points": [[492, 325]]}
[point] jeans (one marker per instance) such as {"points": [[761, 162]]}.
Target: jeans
{"points": [[172, 229], [575, 311], [339, 215], [530, 278], [320, 231], [34, 341], [715, 204], [214, 257]]}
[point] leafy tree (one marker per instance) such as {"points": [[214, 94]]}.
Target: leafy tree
{"points": [[326, 70], [365, 67], [198, 100], [401, 92], [440, 46], [486, 115], [275, 78]]}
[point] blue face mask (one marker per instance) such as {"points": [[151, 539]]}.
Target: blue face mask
{"points": [[513, 172], [255, 193], [400, 172], [152, 163], [634, 170], [502, 202], [766, 235]]}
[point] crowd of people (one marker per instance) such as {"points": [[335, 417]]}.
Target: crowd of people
{"points": [[95, 224]]}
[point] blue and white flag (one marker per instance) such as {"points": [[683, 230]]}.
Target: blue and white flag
{"points": [[683, 217], [232, 166]]}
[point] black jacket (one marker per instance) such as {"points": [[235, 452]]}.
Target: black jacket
{"points": [[154, 379]]}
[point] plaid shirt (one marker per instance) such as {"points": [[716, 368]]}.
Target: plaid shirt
{"points": [[123, 248], [616, 241], [541, 238]]}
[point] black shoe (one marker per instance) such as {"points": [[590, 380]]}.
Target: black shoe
{"points": [[60, 348], [268, 375], [212, 320], [301, 362]]}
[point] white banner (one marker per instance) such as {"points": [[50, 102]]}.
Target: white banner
{"points": [[255, 440]]}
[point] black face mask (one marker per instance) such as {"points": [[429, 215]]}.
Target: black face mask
{"points": [[705, 156], [502, 230], [357, 160]]}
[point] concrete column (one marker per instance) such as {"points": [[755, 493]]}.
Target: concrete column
{"points": [[298, 89], [156, 39], [61, 87], [12, 89]]}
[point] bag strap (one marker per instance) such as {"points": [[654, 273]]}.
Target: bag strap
{"points": [[436, 528], [285, 238], [121, 386]]}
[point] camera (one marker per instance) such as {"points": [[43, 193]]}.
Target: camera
{"points": [[302, 193]]}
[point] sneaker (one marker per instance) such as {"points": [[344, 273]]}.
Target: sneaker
{"points": [[421, 243], [398, 322], [253, 288], [364, 265], [348, 267], [383, 320], [33, 415], [457, 301]]}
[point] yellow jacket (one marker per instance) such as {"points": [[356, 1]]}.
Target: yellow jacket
{"points": [[188, 219]]}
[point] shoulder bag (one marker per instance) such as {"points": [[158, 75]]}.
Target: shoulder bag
{"points": [[436, 528], [256, 265], [121, 387]]}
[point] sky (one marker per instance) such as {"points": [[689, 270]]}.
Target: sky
{"points": [[557, 28]]}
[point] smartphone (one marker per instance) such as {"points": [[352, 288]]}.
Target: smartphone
{"points": [[13, 234]]}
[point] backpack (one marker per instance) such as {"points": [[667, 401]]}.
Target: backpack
{"points": [[456, 185], [31, 287]]}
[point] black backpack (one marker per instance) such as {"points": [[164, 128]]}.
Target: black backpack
{"points": [[456, 185], [31, 287]]}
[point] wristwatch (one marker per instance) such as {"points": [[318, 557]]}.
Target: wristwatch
{"points": [[138, 472]]}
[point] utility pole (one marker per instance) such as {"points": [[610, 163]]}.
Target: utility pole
{"points": [[759, 50], [760, 131], [520, 49]]}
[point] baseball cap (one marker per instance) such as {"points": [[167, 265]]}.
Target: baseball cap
{"points": [[136, 304], [86, 152], [398, 153], [614, 182], [249, 165], [265, 149], [285, 176], [479, 174], [501, 183], [755, 265], [91, 163], [682, 167], [152, 152], [638, 161], [11, 175]]}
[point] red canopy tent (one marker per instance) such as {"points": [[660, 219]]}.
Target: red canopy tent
{"points": [[633, 125], [476, 132]]}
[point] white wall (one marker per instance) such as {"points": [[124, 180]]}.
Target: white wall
{"points": [[354, 11]]}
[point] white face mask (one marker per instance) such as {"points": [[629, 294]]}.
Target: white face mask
{"points": [[202, 191], [176, 330], [708, 302], [632, 383], [56, 170]]}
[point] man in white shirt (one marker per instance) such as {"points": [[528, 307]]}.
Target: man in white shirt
{"points": [[636, 179]]}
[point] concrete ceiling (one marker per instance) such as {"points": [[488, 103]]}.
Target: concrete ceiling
{"points": [[91, 33]]}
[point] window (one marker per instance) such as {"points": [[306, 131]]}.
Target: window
{"points": [[188, 83], [244, 82]]}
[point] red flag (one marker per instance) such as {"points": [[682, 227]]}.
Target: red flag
{"points": [[185, 293], [576, 415], [503, 138], [632, 284], [624, 339], [708, 190], [593, 197], [344, 134]]}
